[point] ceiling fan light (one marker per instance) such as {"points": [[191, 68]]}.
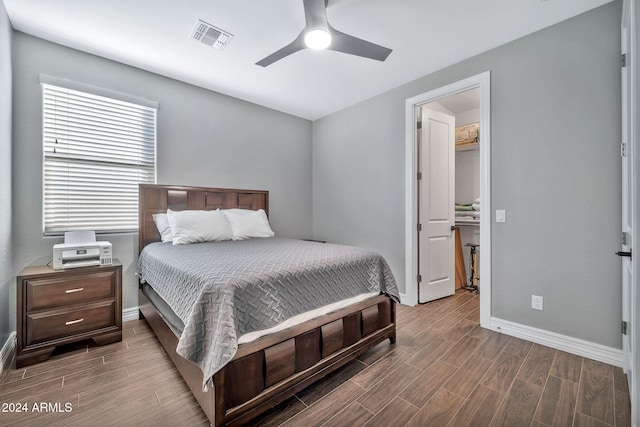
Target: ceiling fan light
{"points": [[317, 39]]}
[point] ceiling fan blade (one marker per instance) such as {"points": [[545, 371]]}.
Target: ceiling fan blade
{"points": [[315, 14], [293, 47], [345, 43]]}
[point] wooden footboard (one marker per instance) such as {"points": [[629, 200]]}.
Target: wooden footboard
{"points": [[271, 369]]}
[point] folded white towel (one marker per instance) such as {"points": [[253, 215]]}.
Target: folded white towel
{"points": [[475, 206], [470, 214], [466, 220], [477, 200]]}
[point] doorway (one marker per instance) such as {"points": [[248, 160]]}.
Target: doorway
{"points": [[413, 107]]}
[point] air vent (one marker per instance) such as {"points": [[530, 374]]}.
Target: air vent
{"points": [[210, 35]]}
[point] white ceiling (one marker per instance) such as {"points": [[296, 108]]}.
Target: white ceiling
{"points": [[425, 35], [461, 102]]}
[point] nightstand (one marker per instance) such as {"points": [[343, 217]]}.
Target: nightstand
{"points": [[56, 307]]}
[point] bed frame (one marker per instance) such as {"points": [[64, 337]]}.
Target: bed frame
{"points": [[273, 368]]}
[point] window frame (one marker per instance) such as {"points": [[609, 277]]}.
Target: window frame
{"points": [[146, 107]]}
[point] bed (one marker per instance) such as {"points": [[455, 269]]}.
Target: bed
{"points": [[255, 375]]}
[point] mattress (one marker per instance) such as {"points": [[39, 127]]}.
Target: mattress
{"points": [[223, 290]]}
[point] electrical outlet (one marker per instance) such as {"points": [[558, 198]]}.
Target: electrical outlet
{"points": [[536, 302]]}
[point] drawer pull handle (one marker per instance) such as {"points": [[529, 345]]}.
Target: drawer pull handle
{"points": [[71, 322], [70, 291]]}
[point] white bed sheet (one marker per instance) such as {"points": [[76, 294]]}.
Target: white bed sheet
{"points": [[303, 317]]}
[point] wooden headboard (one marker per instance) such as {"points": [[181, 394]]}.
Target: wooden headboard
{"points": [[153, 198]]}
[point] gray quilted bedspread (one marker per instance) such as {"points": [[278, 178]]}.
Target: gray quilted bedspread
{"points": [[222, 290]]}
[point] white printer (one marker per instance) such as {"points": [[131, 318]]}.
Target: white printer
{"points": [[80, 249]]}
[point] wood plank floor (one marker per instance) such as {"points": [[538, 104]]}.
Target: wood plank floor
{"points": [[444, 370]]}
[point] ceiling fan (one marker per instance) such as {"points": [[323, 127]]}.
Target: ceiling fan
{"points": [[319, 34]]}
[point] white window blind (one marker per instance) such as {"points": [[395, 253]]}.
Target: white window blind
{"points": [[96, 152]]}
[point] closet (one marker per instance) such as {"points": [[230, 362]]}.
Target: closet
{"points": [[467, 193]]}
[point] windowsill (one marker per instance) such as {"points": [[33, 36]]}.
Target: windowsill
{"points": [[106, 233]]}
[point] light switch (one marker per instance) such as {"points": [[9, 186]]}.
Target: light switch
{"points": [[501, 215]]}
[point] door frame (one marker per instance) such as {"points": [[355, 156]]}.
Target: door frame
{"points": [[483, 82], [630, 133]]}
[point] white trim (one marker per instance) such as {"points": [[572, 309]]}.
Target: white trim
{"points": [[590, 350], [403, 299], [483, 81], [629, 130], [7, 353], [411, 203], [95, 90], [129, 314]]}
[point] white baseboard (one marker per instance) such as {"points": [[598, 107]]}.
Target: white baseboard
{"points": [[7, 353], [130, 314], [590, 350], [403, 299]]}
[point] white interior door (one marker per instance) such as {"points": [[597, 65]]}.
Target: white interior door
{"points": [[436, 193]]}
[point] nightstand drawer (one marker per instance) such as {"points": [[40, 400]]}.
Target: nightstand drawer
{"points": [[57, 324], [64, 291]]}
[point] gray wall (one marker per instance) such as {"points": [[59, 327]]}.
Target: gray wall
{"points": [[555, 100], [7, 286], [204, 139]]}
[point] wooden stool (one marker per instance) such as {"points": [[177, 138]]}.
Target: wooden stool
{"points": [[461, 274]]}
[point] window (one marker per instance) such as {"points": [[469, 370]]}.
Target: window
{"points": [[96, 152]]}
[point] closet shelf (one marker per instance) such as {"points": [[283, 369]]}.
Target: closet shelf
{"points": [[468, 147], [473, 222]]}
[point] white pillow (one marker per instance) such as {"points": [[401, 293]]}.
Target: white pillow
{"points": [[246, 223], [162, 224], [193, 226]]}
